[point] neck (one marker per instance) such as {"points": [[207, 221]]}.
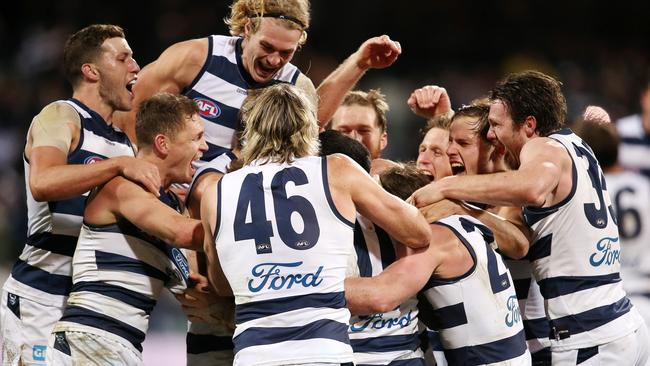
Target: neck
{"points": [[148, 155], [89, 95]]}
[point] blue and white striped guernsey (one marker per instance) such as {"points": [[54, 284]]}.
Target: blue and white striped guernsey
{"points": [[284, 248], [634, 148], [477, 314], [43, 271], [119, 272], [220, 89], [381, 339], [576, 258]]}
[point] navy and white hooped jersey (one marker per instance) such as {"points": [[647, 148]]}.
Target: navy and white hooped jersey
{"points": [[118, 274], [380, 339], [220, 89], [43, 270], [575, 255], [531, 306], [634, 149], [630, 193], [284, 248], [477, 314]]}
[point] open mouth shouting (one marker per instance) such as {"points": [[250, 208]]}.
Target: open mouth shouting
{"points": [[457, 167], [130, 84]]}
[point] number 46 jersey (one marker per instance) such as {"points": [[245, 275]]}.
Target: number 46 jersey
{"points": [[284, 249], [575, 257]]}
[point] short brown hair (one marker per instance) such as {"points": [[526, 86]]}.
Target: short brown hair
{"points": [[441, 121], [402, 181], [478, 108], [602, 138], [163, 113], [532, 93], [294, 13], [372, 98], [85, 46]]}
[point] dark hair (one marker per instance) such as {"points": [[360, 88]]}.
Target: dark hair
{"points": [[404, 180], [532, 93], [602, 138], [85, 46], [163, 113], [333, 142], [442, 121], [480, 109]]}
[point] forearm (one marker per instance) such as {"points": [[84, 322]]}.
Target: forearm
{"points": [[499, 189], [332, 90], [510, 239], [413, 230], [184, 232], [366, 295]]}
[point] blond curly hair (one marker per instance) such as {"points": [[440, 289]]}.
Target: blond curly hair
{"points": [[293, 13]]}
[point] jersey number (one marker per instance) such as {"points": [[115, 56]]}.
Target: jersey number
{"points": [[259, 228], [596, 217], [498, 281], [629, 219]]}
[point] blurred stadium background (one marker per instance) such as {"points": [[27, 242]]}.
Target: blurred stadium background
{"points": [[599, 50]]}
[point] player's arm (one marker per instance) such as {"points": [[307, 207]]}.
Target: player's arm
{"points": [[402, 221], [209, 218], [208, 179], [530, 185], [430, 101], [150, 215], [54, 133], [375, 53]]}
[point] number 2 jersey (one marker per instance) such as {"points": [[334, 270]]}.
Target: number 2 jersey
{"points": [[575, 255], [284, 248]]}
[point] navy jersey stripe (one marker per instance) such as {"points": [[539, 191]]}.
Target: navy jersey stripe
{"points": [[433, 336], [449, 316], [116, 262], [409, 362], [202, 343], [501, 350], [361, 248], [564, 285], [536, 328], [260, 309], [225, 70], [39, 279], [214, 151], [328, 194], [122, 294], [320, 329], [407, 342], [385, 247], [591, 319], [541, 248], [77, 314], [541, 357], [73, 206], [59, 244], [522, 286]]}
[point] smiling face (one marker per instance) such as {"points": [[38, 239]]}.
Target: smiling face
{"points": [[468, 152], [506, 132], [266, 51], [185, 147], [432, 157], [360, 123], [118, 72]]}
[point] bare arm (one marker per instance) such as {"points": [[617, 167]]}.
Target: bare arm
{"points": [[53, 134], [402, 221], [209, 218], [375, 53], [531, 185]]}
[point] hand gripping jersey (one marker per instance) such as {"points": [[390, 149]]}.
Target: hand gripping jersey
{"points": [[575, 257], [477, 314], [119, 272], [380, 339], [220, 89], [43, 271], [284, 247]]}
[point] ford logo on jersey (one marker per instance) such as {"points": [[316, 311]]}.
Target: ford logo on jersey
{"points": [[274, 276], [377, 321], [514, 314], [207, 108], [605, 253]]}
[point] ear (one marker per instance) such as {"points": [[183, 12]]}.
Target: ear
{"points": [[161, 144], [530, 126], [248, 28], [90, 72], [383, 141]]}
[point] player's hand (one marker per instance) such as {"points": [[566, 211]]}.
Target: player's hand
{"points": [[429, 101], [596, 114], [426, 195], [140, 171], [442, 209], [378, 53]]}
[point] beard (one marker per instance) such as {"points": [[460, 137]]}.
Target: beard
{"points": [[109, 91]]}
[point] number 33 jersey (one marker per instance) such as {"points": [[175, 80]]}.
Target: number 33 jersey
{"points": [[284, 249], [575, 255]]}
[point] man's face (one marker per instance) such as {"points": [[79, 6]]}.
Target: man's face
{"points": [[360, 123], [468, 152], [118, 72], [503, 130], [266, 51], [432, 158], [188, 146]]}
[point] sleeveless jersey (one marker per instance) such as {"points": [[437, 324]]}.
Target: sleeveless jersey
{"points": [[575, 257], [477, 314], [635, 144], [43, 270], [220, 89], [284, 247], [119, 272], [380, 339]]}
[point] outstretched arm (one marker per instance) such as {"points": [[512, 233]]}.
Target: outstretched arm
{"points": [[375, 53]]}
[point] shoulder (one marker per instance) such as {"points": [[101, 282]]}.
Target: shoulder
{"points": [[59, 111], [544, 147]]}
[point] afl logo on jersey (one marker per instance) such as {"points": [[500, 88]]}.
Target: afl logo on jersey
{"points": [[207, 108], [92, 159]]}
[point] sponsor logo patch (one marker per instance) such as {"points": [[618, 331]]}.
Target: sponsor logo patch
{"points": [[207, 108]]}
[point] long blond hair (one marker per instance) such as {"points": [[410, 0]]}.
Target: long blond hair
{"points": [[279, 125], [294, 13]]}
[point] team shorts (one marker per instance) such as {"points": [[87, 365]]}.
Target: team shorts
{"points": [[80, 348]]}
